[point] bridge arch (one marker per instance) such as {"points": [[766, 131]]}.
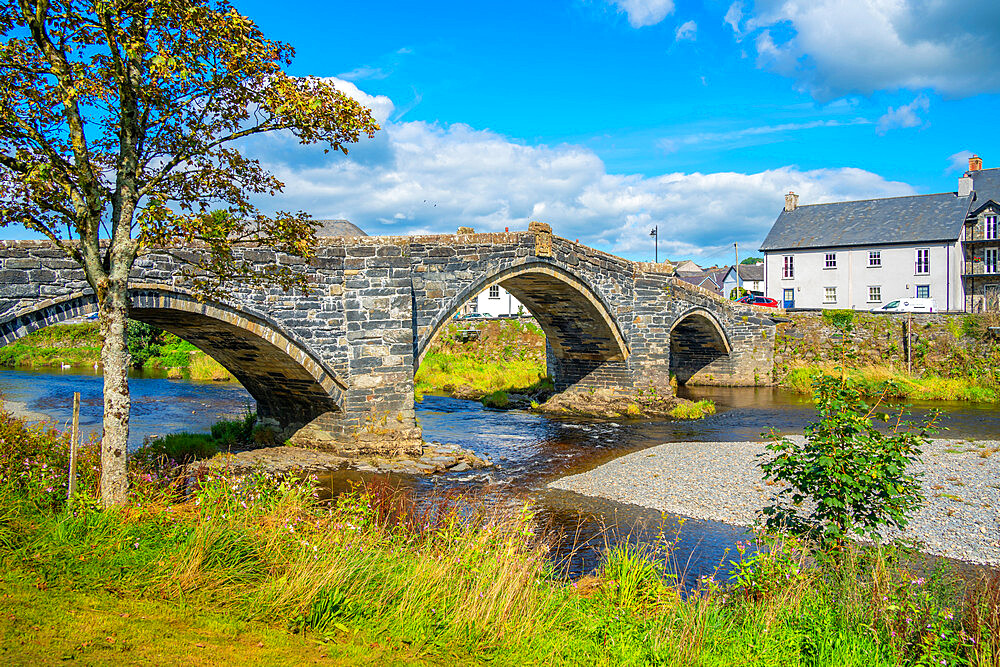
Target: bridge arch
{"points": [[581, 332], [697, 340], [288, 382]]}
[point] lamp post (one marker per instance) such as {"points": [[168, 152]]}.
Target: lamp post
{"points": [[655, 233]]}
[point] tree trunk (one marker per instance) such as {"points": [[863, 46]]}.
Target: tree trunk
{"points": [[115, 357]]}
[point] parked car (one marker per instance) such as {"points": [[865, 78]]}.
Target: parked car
{"points": [[909, 306], [758, 301]]}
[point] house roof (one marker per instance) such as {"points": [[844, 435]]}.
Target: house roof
{"points": [[986, 187], [912, 219], [751, 271], [706, 279], [338, 228]]}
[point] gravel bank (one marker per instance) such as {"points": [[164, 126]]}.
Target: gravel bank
{"points": [[721, 481]]}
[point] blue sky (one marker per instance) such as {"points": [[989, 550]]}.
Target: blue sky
{"points": [[605, 117]]}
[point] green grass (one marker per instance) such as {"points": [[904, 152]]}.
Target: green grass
{"points": [[696, 410], [894, 383], [508, 356], [251, 567]]}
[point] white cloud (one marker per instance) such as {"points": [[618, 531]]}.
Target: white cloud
{"points": [[959, 161], [644, 12], [903, 116], [733, 17], [687, 30], [835, 47], [671, 144], [423, 177]]}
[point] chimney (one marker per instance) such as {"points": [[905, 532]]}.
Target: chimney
{"points": [[975, 163], [965, 186], [791, 201]]}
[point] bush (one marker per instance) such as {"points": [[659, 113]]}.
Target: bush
{"points": [[498, 399], [689, 410], [840, 319], [177, 447], [855, 474]]}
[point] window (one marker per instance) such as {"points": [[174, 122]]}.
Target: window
{"points": [[494, 291], [990, 257], [875, 258], [923, 264], [788, 268], [829, 295], [831, 260], [874, 294], [991, 227], [923, 291]]}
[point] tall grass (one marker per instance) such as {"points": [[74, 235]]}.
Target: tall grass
{"points": [[459, 580], [879, 380]]}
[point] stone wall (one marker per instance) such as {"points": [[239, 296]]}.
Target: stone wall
{"points": [[943, 344]]}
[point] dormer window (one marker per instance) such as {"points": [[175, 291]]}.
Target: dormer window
{"points": [[990, 227]]}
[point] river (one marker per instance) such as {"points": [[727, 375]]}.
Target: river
{"points": [[531, 450]]}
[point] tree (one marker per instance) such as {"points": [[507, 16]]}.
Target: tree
{"points": [[118, 123], [752, 260]]}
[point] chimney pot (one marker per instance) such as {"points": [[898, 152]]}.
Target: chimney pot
{"points": [[975, 163], [791, 201]]}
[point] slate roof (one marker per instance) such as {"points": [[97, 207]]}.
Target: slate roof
{"points": [[338, 228], [751, 271], [912, 219], [986, 187]]}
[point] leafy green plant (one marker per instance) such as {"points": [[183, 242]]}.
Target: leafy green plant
{"points": [[840, 319], [853, 475], [496, 399]]}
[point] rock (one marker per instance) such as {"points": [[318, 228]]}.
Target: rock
{"points": [[460, 467]]}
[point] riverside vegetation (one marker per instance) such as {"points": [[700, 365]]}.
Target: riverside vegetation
{"points": [[207, 568], [946, 357], [79, 345]]}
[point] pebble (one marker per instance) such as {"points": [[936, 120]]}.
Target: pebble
{"points": [[722, 481]]}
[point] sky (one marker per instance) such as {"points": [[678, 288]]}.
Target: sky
{"points": [[605, 118]]}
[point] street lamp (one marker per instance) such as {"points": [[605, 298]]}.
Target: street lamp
{"points": [[654, 232]]}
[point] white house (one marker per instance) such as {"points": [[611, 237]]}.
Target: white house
{"points": [[495, 301], [864, 254], [751, 279]]}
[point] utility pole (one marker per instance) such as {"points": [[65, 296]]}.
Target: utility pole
{"points": [[655, 233], [736, 267]]}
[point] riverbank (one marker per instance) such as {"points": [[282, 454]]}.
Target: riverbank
{"points": [[722, 481], [375, 575], [78, 345], [917, 356]]}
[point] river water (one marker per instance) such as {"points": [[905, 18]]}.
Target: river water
{"points": [[531, 450]]}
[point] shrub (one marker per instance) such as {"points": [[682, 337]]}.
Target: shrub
{"points": [[234, 433], [203, 367], [854, 474], [689, 410], [497, 399], [840, 319], [177, 447]]}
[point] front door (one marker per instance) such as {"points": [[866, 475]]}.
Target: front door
{"points": [[789, 298]]}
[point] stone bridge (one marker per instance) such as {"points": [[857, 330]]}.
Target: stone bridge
{"points": [[334, 364]]}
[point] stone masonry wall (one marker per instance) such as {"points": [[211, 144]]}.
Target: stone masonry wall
{"points": [[352, 341]]}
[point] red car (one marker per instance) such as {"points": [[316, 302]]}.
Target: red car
{"points": [[758, 301]]}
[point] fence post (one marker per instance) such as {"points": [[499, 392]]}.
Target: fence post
{"points": [[75, 437]]}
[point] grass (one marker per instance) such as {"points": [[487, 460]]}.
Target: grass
{"points": [[257, 570], [877, 380], [694, 410], [507, 356], [79, 345]]}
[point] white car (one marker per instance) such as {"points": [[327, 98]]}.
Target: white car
{"points": [[909, 306]]}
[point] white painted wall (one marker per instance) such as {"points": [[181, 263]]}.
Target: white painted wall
{"points": [[752, 286], [503, 304], [852, 276]]}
